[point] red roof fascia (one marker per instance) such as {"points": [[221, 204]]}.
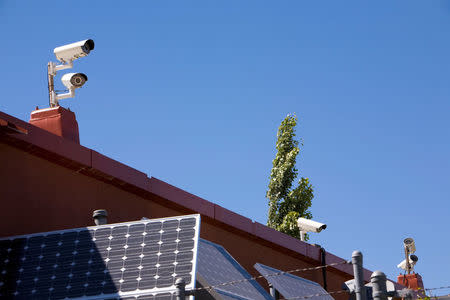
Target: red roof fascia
{"points": [[73, 155], [89, 162], [118, 170], [181, 197], [233, 219], [45, 140]]}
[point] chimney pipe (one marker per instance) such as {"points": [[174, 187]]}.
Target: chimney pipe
{"points": [[57, 120], [100, 216]]}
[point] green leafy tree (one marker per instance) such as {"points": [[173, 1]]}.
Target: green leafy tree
{"points": [[287, 204]]}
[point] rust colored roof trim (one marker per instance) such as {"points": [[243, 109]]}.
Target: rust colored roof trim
{"points": [[9, 127]]}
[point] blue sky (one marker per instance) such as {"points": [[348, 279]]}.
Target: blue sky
{"points": [[193, 92]]}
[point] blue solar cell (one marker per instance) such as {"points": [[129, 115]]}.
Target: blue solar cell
{"points": [[216, 266], [110, 261], [291, 286]]}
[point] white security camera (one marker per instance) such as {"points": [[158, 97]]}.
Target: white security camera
{"points": [[409, 245], [306, 225], [412, 261], [70, 52], [310, 225], [66, 55], [74, 80]]}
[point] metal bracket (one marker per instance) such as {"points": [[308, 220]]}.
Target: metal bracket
{"points": [[52, 68]]}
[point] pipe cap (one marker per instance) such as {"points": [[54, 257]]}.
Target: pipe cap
{"points": [[100, 213]]}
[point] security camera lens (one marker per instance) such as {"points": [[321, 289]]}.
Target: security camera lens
{"points": [[78, 79], [88, 46], [408, 241]]}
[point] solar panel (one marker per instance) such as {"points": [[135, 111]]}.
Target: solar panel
{"points": [[216, 266], [133, 260], [291, 286]]}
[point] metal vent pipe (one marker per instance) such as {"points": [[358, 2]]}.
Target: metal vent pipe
{"points": [[100, 216]]}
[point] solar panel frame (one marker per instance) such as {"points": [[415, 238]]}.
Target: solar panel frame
{"points": [[36, 255], [284, 283]]}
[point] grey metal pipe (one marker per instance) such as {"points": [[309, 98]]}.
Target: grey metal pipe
{"points": [[357, 261], [379, 290], [51, 85], [274, 293], [180, 292], [100, 216], [323, 261]]}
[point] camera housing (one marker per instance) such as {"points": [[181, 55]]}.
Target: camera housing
{"points": [[307, 225], [66, 55], [412, 261], [74, 80], [70, 52], [409, 245]]}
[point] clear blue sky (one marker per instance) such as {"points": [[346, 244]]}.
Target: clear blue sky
{"points": [[192, 92]]}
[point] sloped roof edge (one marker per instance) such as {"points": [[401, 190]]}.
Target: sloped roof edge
{"points": [[69, 154]]}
